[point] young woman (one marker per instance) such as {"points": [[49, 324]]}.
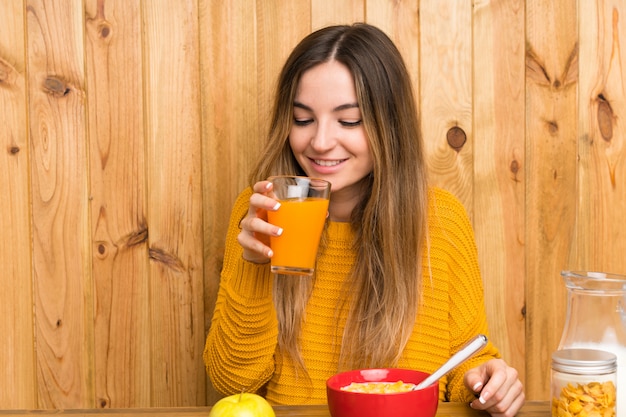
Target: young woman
{"points": [[396, 282]]}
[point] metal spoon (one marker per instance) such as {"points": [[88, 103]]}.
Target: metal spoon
{"points": [[461, 356]]}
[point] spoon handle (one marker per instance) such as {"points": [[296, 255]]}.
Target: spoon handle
{"points": [[461, 356]]}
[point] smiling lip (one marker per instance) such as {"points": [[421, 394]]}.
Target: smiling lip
{"points": [[328, 163]]}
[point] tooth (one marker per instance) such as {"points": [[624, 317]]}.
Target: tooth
{"points": [[327, 163]]}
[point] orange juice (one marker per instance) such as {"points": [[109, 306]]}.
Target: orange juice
{"points": [[302, 221]]}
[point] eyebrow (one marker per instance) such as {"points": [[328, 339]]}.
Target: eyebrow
{"points": [[338, 108]]}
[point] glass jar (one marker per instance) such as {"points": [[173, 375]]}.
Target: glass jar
{"points": [[583, 383], [596, 319]]}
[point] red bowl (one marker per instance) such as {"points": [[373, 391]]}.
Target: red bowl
{"points": [[420, 403]]}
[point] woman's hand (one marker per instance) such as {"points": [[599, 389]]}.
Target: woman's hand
{"points": [[255, 230], [500, 391]]}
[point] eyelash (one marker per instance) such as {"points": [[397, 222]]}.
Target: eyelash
{"points": [[306, 122]]}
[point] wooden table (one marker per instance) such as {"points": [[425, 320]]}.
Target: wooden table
{"points": [[531, 409]]}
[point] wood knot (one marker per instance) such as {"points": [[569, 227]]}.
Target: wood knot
{"points": [[456, 138], [166, 259], [553, 127], [605, 118], [14, 150], [55, 87], [8, 75], [105, 30], [515, 168], [137, 237]]}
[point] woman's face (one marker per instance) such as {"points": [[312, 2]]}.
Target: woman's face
{"points": [[327, 136]]}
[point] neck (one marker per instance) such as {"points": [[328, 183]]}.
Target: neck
{"points": [[341, 204], [340, 211]]}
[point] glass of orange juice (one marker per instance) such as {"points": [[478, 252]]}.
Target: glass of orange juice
{"points": [[301, 215]]}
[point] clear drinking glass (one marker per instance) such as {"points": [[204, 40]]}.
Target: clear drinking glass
{"points": [[302, 214]]}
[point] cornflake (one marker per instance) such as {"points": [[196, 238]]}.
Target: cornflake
{"points": [[379, 387], [594, 399]]}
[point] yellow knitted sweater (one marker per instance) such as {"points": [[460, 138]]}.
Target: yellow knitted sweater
{"points": [[240, 351]]}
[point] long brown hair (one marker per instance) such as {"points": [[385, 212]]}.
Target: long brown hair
{"points": [[389, 221]]}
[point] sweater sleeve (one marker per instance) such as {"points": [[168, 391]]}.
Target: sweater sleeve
{"points": [[240, 346], [468, 317]]}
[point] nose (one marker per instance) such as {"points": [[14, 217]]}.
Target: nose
{"points": [[323, 138]]}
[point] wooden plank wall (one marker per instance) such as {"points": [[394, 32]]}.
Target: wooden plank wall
{"points": [[128, 128]]}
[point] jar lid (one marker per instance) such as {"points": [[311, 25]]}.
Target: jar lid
{"points": [[584, 361]]}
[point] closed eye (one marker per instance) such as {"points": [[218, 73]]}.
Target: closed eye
{"points": [[302, 122], [351, 124]]}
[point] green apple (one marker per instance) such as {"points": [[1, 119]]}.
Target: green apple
{"points": [[242, 405]]}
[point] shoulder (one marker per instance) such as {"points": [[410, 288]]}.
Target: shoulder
{"points": [[443, 202], [447, 215]]}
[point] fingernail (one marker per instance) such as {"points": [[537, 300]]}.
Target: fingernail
{"points": [[268, 185], [279, 231], [276, 206], [483, 398], [270, 253], [477, 386]]}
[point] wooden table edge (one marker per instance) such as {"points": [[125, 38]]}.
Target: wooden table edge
{"points": [[530, 409]]}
